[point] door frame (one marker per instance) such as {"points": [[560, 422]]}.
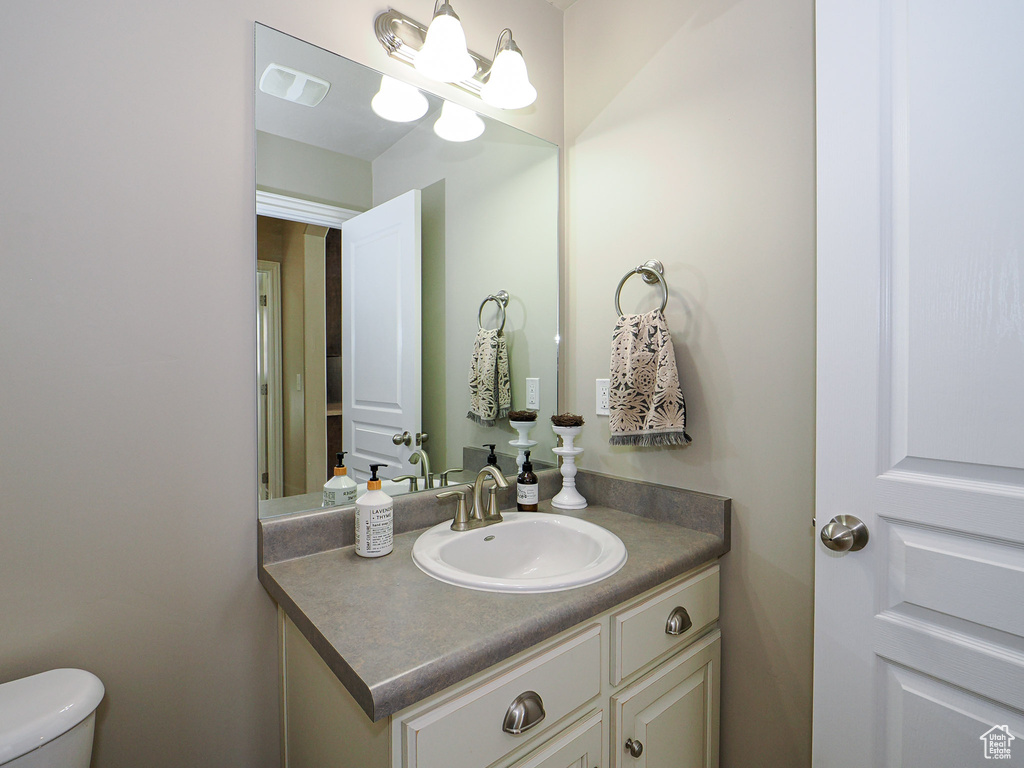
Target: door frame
{"points": [[302, 211], [272, 357]]}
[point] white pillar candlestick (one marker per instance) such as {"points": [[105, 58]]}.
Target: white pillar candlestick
{"points": [[524, 442], [568, 497]]}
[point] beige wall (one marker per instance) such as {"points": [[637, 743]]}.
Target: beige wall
{"points": [[314, 352], [292, 168], [283, 241], [127, 431], [435, 340], [690, 138]]}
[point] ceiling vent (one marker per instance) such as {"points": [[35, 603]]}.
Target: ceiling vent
{"points": [[287, 83]]}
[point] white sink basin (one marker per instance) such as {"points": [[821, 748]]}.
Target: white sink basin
{"points": [[528, 552]]}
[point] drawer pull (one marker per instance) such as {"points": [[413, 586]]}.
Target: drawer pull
{"points": [[678, 621], [523, 713], [635, 748]]}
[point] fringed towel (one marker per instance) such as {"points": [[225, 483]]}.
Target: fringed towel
{"points": [[645, 400], [490, 390]]}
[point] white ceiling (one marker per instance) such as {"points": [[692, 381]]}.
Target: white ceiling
{"points": [[563, 4], [343, 122]]}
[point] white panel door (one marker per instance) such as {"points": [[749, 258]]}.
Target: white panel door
{"points": [[380, 317], [919, 637]]}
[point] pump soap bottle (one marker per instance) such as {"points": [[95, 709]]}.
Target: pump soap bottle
{"points": [[340, 489], [375, 519], [492, 457], [527, 487]]}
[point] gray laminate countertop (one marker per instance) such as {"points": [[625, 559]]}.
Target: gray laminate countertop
{"points": [[394, 636]]}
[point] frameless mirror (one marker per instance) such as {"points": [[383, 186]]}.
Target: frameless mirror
{"points": [[382, 250]]}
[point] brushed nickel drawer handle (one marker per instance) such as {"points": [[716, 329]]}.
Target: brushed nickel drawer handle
{"points": [[635, 748], [523, 713], [678, 621]]}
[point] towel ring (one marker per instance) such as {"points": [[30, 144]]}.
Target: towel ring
{"points": [[501, 299], [652, 272]]}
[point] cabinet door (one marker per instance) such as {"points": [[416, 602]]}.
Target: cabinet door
{"points": [[576, 747], [670, 717]]}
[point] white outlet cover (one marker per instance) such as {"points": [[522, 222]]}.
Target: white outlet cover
{"points": [[601, 397], [533, 393]]}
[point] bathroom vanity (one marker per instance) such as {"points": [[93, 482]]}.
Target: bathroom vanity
{"points": [[384, 667]]}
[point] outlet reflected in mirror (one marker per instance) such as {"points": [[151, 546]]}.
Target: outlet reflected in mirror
{"points": [[377, 245]]}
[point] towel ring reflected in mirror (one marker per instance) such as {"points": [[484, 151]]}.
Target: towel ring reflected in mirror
{"points": [[501, 299], [652, 272]]}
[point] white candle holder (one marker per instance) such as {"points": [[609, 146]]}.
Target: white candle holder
{"points": [[524, 443], [568, 497]]}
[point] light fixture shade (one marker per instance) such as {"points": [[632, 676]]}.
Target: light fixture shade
{"points": [[457, 123], [398, 101], [508, 86], [443, 56]]}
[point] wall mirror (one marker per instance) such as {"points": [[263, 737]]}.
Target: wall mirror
{"points": [[379, 244]]}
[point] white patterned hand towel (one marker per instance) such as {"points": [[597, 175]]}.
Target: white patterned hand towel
{"points": [[645, 400], [490, 390]]}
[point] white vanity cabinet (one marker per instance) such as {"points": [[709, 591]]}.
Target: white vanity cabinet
{"points": [[637, 686]]}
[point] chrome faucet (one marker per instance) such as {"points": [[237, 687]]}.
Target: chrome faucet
{"points": [[491, 515], [428, 476]]}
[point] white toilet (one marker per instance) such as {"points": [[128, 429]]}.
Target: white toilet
{"points": [[47, 720]]}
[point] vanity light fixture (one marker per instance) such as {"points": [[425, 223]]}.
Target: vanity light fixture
{"points": [[398, 102], [458, 123], [443, 56], [508, 86], [293, 85], [505, 80]]}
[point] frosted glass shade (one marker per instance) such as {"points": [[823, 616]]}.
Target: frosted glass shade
{"points": [[444, 57], [398, 101], [457, 123], [508, 86]]}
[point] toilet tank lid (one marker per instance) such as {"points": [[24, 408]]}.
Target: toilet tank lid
{"points": [[35, 710]]}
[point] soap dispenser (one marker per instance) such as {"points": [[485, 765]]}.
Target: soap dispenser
{"points": [[375, 519], [492, 457], [340, 489], [527, 488]]}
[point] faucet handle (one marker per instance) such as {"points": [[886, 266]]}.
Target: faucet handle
{"points": [[461, 521], [493, 515], [413, 481], [444, 475]]}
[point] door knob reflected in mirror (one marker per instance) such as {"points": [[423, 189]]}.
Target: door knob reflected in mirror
{"points": [[844, 533], [403, 438]]}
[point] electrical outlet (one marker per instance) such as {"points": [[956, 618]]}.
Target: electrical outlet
{"points": [[533, 393], [603, 385]]}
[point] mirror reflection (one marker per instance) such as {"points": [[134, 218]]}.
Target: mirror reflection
{"points": [[408, 283]]}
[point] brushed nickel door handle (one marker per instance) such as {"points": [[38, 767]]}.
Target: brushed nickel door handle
{"points": [[401, 438], [844, 533], [635, 748]]}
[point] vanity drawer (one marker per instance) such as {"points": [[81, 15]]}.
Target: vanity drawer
{"points": [[467, 731], [640, 633]]}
